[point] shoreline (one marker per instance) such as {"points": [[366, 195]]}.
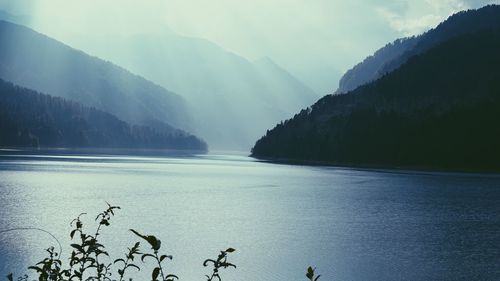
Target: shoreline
{"points": [[271, 160], [374, 167], [104, 151]]}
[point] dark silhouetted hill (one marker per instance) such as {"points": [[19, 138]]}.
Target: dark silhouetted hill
{"points": [[441, 109], [31, 119]]}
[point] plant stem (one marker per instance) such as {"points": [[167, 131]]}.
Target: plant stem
{"points": [[159, 265]]}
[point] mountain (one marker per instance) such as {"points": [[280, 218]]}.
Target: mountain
{"points": [[31, 119], [18, 19], [393, 55], [35, 61], [233, 99], [441, 109], [372, 67]]}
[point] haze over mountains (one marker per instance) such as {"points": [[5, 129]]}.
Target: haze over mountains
{"points": [[35, 61], [229, 100], [439, 109], [232, 99]]}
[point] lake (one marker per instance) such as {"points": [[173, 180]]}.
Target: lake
{"points": [[352, 224]]}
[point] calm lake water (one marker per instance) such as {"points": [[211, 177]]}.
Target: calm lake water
{"points": [[351, 224]]}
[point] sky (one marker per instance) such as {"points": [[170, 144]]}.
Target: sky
{"points": [[316, 40]]}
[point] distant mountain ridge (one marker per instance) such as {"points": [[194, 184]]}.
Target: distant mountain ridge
{"points": [[440, 109], [233, 100], [394, 54], [31, 119], [35, 61]]}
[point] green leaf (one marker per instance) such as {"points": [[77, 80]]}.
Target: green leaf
{"points": [[152, 240], [155, 243], [164, 257], [78, 247], [205, 263], [155, 273], [38, 269], [310, 273], [146, 255], [133, 265], [227, 264], [171, 277]]}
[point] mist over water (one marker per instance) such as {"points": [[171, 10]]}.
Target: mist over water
{"points": [[351, 224]]}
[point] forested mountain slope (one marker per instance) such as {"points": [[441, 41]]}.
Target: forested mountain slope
{"points": [[31, 119], [441, 109], [35, 61]]}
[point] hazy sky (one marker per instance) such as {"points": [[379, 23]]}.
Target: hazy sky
{"points": [[317, 40]]}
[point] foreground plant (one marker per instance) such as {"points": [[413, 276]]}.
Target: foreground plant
{"points": [[50, 267], [128, 262], [310, 274], [87, 253], [155, 246], [220, 262], [89, 260]]}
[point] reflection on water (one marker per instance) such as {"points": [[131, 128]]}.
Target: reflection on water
{"points": [[352, 224]]}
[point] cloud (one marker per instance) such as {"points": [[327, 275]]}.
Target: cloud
{"points": [[419, 16], [409, 26], [480, 3]]}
